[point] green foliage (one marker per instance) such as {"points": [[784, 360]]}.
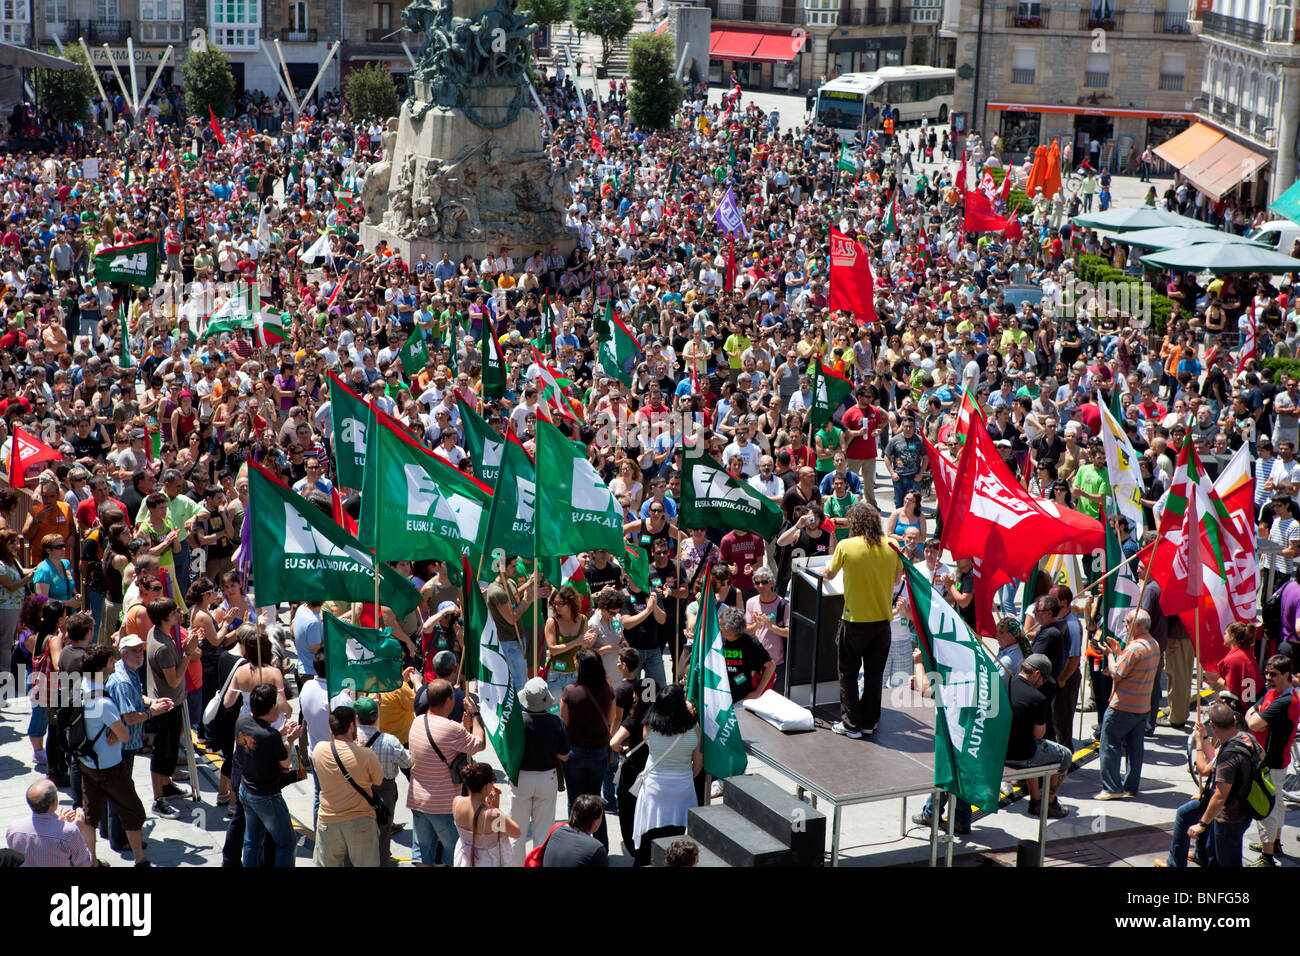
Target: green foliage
{"points": [[1016, 198], [611, 20], [209, 84], [370, 93], [546, 13], [1097, 270], [1272, 369], [655, 93], [67, 94]]}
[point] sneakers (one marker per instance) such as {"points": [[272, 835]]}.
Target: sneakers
{"points": [[922, 819], [181, 774], [1056, 811], [1259, 848], [1035, 807], [925, 820], [171, 790], [1265, 861], [839, 728], [143, 863], [164, 809], [1107, 795], [41, 758], [1161, 862]]}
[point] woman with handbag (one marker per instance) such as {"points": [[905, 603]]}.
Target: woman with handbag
{"points": [[665, 791], [587, 709], [633, 698], [541, 770], [486, 833]]}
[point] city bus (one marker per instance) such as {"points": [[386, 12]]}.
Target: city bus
{"points": [[851, 103]]}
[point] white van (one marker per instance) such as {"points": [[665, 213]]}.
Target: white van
{"points": [[1280, 234]]}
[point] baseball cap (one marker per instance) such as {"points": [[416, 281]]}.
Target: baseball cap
{"points": [[129, 641], [1041, 663], [366, 709]]}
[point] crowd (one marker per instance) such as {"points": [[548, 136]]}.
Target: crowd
{"points": [[120, 561]]}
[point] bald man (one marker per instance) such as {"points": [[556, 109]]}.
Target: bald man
{"points": [[49, 837]]}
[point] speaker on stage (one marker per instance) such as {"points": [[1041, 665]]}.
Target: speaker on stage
{"points": [[816, 606]]}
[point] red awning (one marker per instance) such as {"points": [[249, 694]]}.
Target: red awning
{"points": [[1094, 111], [732, 44], [779, 47]]}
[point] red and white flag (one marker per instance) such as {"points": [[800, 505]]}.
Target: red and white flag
{"points": [[25, 451], [1249, 347], [853, 285], [988, 185]]}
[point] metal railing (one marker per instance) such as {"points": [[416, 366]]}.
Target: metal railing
{"points": [[1170, 21], [1096, 80], [1169, 81], [393, 35], [1089, 20], [1023, 76], [298, 36], [1018, 18], [1235, 29]]}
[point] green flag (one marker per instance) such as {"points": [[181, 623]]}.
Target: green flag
{"points": [[414, 353], [576, 510], [709, 690], [494, 367], [453, 346], [618, 352], [1120, 592], [510, 523], [974, 712], [828, 393], [713, 498], [890, 225], [846, 161], [546, 328], [300, 554], [636, 564], [483, 443], [362, 660], [234, 314], [124, 340], [353, 420], [603, 323], [416, 505], [499, 706], [134, 264]]}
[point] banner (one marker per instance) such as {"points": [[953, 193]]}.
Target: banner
{"points": [[713, 498], [353, 420], [414, 353], [483, 444], [510, 528], [853, 286], [361, 660], [618, 353], [709, 691], [499, 706], [135, 263], [576, 511], [1122, 467], [728, 217], [829, 391]]}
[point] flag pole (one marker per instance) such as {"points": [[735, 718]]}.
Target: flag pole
{"points": [[1197, 624]]}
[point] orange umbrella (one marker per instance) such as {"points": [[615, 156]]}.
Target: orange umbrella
{"points": [[1052, 179], [1037, 172]]}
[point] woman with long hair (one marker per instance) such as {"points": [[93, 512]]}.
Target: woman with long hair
{"points": [[29, 623], [908, 516], [201, 598], [12, 579], [53, 576], [587, 709], [665, 789], [565, 633], [485, 832], [47, 640]]}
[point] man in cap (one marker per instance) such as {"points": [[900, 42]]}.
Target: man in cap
{"points": [[393, 758], [1028, 745]]}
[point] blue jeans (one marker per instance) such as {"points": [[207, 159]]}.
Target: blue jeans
{"points": [[1121, 737], [1223, 848], [95, 600], [556, 681], [652, 665], [514, 656], [1188, 815], [902, 486], [435, 838], [963, 808], [584, 772], [263, 815]]}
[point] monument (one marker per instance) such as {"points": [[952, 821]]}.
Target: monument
{"points": [[464, 169]]}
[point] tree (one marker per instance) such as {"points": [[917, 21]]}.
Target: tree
{"points": [[370, 93], [67, 93], [611, 20], [655, 92], [209, 84], [545, 13]]}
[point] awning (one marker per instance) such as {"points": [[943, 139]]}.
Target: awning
{"points": [[1223, 167], [23, 58], [766, 46], [1187, 145], [732, 44], [1092, 111], [1287, 205]]}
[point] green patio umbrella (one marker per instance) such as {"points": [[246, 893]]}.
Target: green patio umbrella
{"points": [[1220, 258], [1136, 217], [1174, 237]]}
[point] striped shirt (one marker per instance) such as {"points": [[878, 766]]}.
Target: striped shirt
{"points": [[1263, 468], [1281, 532], [1135, 672], [393, 757], [431, 788], [47, 841]]}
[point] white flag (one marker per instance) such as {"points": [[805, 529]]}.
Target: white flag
{"points": [[1122, 465], [320, 249]]}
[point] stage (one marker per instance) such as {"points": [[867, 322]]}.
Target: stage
{"points": [[897, 762]]}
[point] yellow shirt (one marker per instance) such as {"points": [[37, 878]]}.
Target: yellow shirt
{"points": [[869, 574]]}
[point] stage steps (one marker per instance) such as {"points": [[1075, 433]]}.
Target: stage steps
{"points": [[757, 824]]}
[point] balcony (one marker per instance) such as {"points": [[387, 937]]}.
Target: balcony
{"points": [[1171, 22], [751, 12], [297, 36], [97, 31], [1099, 81], [1089, 20], [875, 16], [1233, 29], [1169, 81], [1019, 18], [391, 35], [1023, 76]]}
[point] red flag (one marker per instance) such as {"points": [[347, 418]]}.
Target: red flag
{"points": [[1014, 230], [1190, 549], [341, 517], [729, 282], [945, 474], [216, 127], [26, 450], [596, 144], [961, 172], [1006, 184], [853, 287], [1010, 528], [980, 216], [1248, 348]]}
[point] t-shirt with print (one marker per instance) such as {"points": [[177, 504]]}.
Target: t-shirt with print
{"points": [[259, 749], [1280, 711], [745, 658]]}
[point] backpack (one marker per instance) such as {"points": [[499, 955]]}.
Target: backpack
{"points": [[1272, 614], [71, 721], [537, 853], [1256, 797]]}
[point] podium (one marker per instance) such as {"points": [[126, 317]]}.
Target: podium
{"points": [[816, 606]]}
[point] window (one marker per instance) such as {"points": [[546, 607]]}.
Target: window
{"points": [[162, 21], [1173, 68], [926, 11], [1029, 10], [893, 58], [1097, 71], [298, 16], [56, 11], [1024, 64], [13, 11], [106, 11], [236, 23], [383, 16]]}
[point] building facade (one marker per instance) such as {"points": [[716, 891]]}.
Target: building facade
{"points": [[1123, 73], [1250, 86]]}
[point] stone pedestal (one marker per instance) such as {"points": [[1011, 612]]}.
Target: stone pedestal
{"points": [[689, 25]]}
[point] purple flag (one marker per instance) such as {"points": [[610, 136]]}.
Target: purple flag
{"points": [[728, 215], [244, 553]]}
